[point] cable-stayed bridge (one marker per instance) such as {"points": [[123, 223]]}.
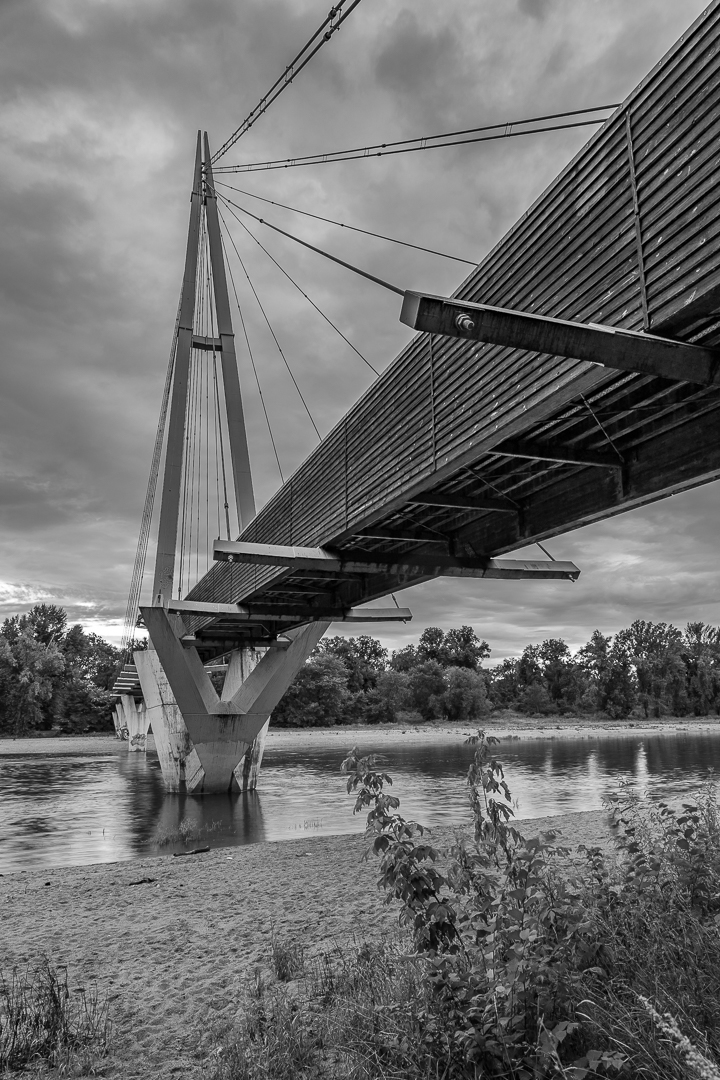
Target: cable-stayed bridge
{"points": [[574, 374]]}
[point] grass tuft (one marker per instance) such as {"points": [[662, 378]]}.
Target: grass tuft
{"points": [[42, 1020], [359, 1013], [288, 959]]}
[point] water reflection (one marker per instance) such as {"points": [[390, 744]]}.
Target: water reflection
{"points": [[80, 801], [185, 821]]}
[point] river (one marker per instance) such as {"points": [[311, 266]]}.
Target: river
{"points": [[86, 800]]}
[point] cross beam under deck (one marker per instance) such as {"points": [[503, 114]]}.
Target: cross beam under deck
{"points": [[322, 560], [611, 346]]}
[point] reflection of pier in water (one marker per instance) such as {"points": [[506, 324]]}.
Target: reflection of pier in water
{"points": [[238, 815]]}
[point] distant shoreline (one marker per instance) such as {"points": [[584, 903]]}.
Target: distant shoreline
{"points": [[502, 725]]}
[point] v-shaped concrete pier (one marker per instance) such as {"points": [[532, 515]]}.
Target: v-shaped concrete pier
{"points": [[203, 738]]}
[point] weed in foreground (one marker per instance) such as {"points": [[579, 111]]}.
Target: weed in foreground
{"points": [[288, 958], [524, 960], [539, 961], [41, 1020]]}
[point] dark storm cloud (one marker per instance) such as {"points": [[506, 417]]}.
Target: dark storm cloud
{"points": [[29, 505], [536, 9], [413, 59], [101, 103]]}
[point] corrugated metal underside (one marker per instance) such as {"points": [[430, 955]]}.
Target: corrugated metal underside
{"points": [[434, 421]]}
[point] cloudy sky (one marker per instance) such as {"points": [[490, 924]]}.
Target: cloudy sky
{"points": [[101, 103]]}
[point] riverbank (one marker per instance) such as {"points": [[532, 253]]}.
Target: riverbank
{"points": [[503, 725], [170, 941]]}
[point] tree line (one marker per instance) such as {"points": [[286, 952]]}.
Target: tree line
{"points": [[649, 670], [54, 677], [59, 678]]}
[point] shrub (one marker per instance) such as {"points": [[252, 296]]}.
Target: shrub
{"points": [[542, 967], [465, 697]]}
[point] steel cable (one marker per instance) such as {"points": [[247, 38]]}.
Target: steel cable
{"points": [[285, 80], [252, 359], [274, 335], [136, 582], [425, 142], [298, 287], [351, 228], [317, 250]]}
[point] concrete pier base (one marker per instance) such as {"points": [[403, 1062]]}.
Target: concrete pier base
{"points": [[209, 742], [247, 771], [132, 722], [173, 744]]}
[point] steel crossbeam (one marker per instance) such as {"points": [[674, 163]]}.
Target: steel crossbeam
{"points": [[611, 346]]}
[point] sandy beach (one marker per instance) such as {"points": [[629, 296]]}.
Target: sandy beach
{"points": [[171, 940]]}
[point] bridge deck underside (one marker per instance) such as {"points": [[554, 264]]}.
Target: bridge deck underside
{"points": [[627, 235]]}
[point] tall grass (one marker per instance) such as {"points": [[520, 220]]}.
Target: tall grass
{"points": [[42, 1020], [656, 912], [357, 1013]]}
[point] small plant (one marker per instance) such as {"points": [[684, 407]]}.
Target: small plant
{"points": [[697, 1062], [288, 959], [673, 852], [41, 1020], [186, 833], [541, 965]]}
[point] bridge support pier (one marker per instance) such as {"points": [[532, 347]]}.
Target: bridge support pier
{"points": [[117, 720], [209, 742], [133, 718]]}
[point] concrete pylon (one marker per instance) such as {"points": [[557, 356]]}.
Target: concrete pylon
{"points": [[117, 720], [179, 762], [202, 736], [133, 719]]}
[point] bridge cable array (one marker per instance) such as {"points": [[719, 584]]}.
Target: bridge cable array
{"points": [[318, 251], [205, 493], [146, 520], [331, 24], [270, 327], [327, 319], [351, 228], [251, 355], [204, 376], [505, 130]]}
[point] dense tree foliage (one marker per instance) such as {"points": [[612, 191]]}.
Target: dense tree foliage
{"points": [[52, 677], [648, 670], [58, 678], [353, 680]]}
